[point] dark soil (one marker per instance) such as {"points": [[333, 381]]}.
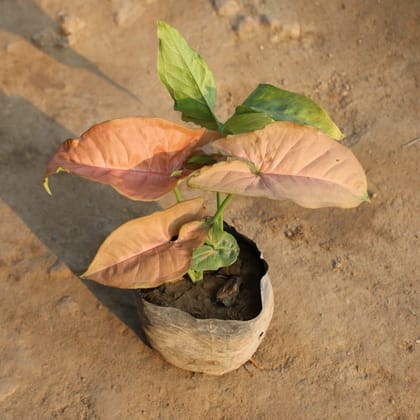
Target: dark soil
{"points": [[199, 299]]}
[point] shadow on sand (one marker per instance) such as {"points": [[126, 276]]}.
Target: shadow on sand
{"points": [[79, 216], [26, 19]]}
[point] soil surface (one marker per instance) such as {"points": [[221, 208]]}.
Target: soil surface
{"points": [[344, 342], [229, 293]]}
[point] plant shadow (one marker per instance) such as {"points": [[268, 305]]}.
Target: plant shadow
{"points": [[26, 19], [72, 223]]}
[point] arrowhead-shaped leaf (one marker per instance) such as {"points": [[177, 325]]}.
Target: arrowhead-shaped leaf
{"points": [[187, 78], [151, 250], [219, 250], [285, 161], [268, 103], [136, 156]]}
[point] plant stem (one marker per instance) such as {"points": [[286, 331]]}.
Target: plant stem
{"points": [[218, 217], [219, 199], [224, 204], [178, 195]]}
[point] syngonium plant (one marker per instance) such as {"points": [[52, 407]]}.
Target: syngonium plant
{"points": [[277, 145]]}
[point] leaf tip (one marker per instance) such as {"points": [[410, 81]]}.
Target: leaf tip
{"points": [[46, 186], [163, 26], [339, 135], [176, 173], [365, 197]]}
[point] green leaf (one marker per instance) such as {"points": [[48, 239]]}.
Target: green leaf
{"points": [[187, 78], [219, 250], [195, 276], [250, 121], [200, 160], [279, 105]]}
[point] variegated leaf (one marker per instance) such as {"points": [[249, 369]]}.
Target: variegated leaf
{"points": [[137, 156], [285, 161], [150, 250]]}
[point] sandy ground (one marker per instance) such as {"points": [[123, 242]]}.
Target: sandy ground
{"points": [[345, 338]]}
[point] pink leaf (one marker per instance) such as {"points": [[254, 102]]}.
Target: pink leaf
{"points": [[135, 155], [285, 161], [151, 250]]}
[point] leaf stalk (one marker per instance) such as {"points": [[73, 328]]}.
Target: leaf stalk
{"points": [[221, 206], [178, 195]]}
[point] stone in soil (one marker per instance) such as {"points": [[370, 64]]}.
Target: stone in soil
{"points": [[200, 299], [227, 8], [246, 27]]}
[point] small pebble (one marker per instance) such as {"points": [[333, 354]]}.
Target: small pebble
{"points": [[273, 23], [227, 8], [67, 306], [246, 27], [291, 30], [126, 12], [70, 25], [45, 38], [228, 293], [336, 263], [49, 38], [58, 269]]}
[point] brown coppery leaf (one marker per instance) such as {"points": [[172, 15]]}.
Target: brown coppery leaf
{"points": [[137, 155], [285, 161], [151, 250]]}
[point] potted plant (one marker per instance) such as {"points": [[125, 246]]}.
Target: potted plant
{"points": [[277, 145]]}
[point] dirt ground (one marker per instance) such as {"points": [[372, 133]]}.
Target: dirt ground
{"points": [[344, 342]]}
